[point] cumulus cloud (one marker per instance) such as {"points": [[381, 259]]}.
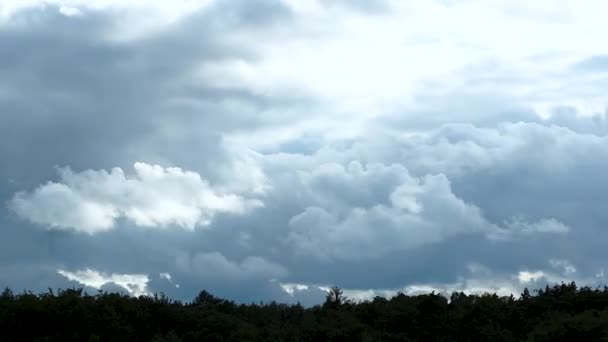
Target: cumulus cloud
{"points": [[134, 284], [433, 143], [421, 211], [366, 211], [154, 196]]}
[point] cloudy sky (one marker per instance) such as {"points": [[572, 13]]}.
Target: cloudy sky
{"points": [[268, 149]]}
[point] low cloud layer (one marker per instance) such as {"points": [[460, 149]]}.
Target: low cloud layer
{"points": [[267, 150], [134, 284]]}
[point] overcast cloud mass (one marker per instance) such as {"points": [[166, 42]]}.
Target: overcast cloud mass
{"points": [[269, 149]]}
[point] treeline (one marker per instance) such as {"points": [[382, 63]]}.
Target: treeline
{"points": [[559, 313]]}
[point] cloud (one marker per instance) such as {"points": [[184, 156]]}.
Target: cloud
{"points": [[528, 277], [419, 211], [154, 196], [70, 11], [134, 284], [598, 63], [564, 265], [292, 288], [168, 278], [214, 265], [542, 226], [372, 134], [477, 279], [360, 5], [158, 13], [372, 210]]}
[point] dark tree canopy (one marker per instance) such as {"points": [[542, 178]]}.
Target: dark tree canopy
{"points": [[560, 313]]}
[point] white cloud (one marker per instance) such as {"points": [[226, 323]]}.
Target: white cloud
{"points": [[245, 173], [528, 277], [291, 288], [367, 211], [566, 272], [134, 284], [154, 196], [374, 65], [479, 280], [419, 211], [459, 149], [69, 11], [168, 277], [542, 226]]}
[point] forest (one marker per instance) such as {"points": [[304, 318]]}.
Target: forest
{"points": [[563, 312]]}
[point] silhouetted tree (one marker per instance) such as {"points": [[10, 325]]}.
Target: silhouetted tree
{"points": [[334, 298], [561, 312]]}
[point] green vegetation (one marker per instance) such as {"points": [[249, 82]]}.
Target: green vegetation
{"points": [[559, 313]]}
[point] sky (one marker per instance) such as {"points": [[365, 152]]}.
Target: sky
{"points": [[266, 150]]}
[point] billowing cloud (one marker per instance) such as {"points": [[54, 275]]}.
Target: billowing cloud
{"points": [[367, 211], [419, 211], [153, 196], [310, 139]]}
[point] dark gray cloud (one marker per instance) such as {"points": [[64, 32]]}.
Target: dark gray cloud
{"points": [[88, 102], [73, 98]]}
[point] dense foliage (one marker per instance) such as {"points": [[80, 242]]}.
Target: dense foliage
{"points": [[559, 313]]}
